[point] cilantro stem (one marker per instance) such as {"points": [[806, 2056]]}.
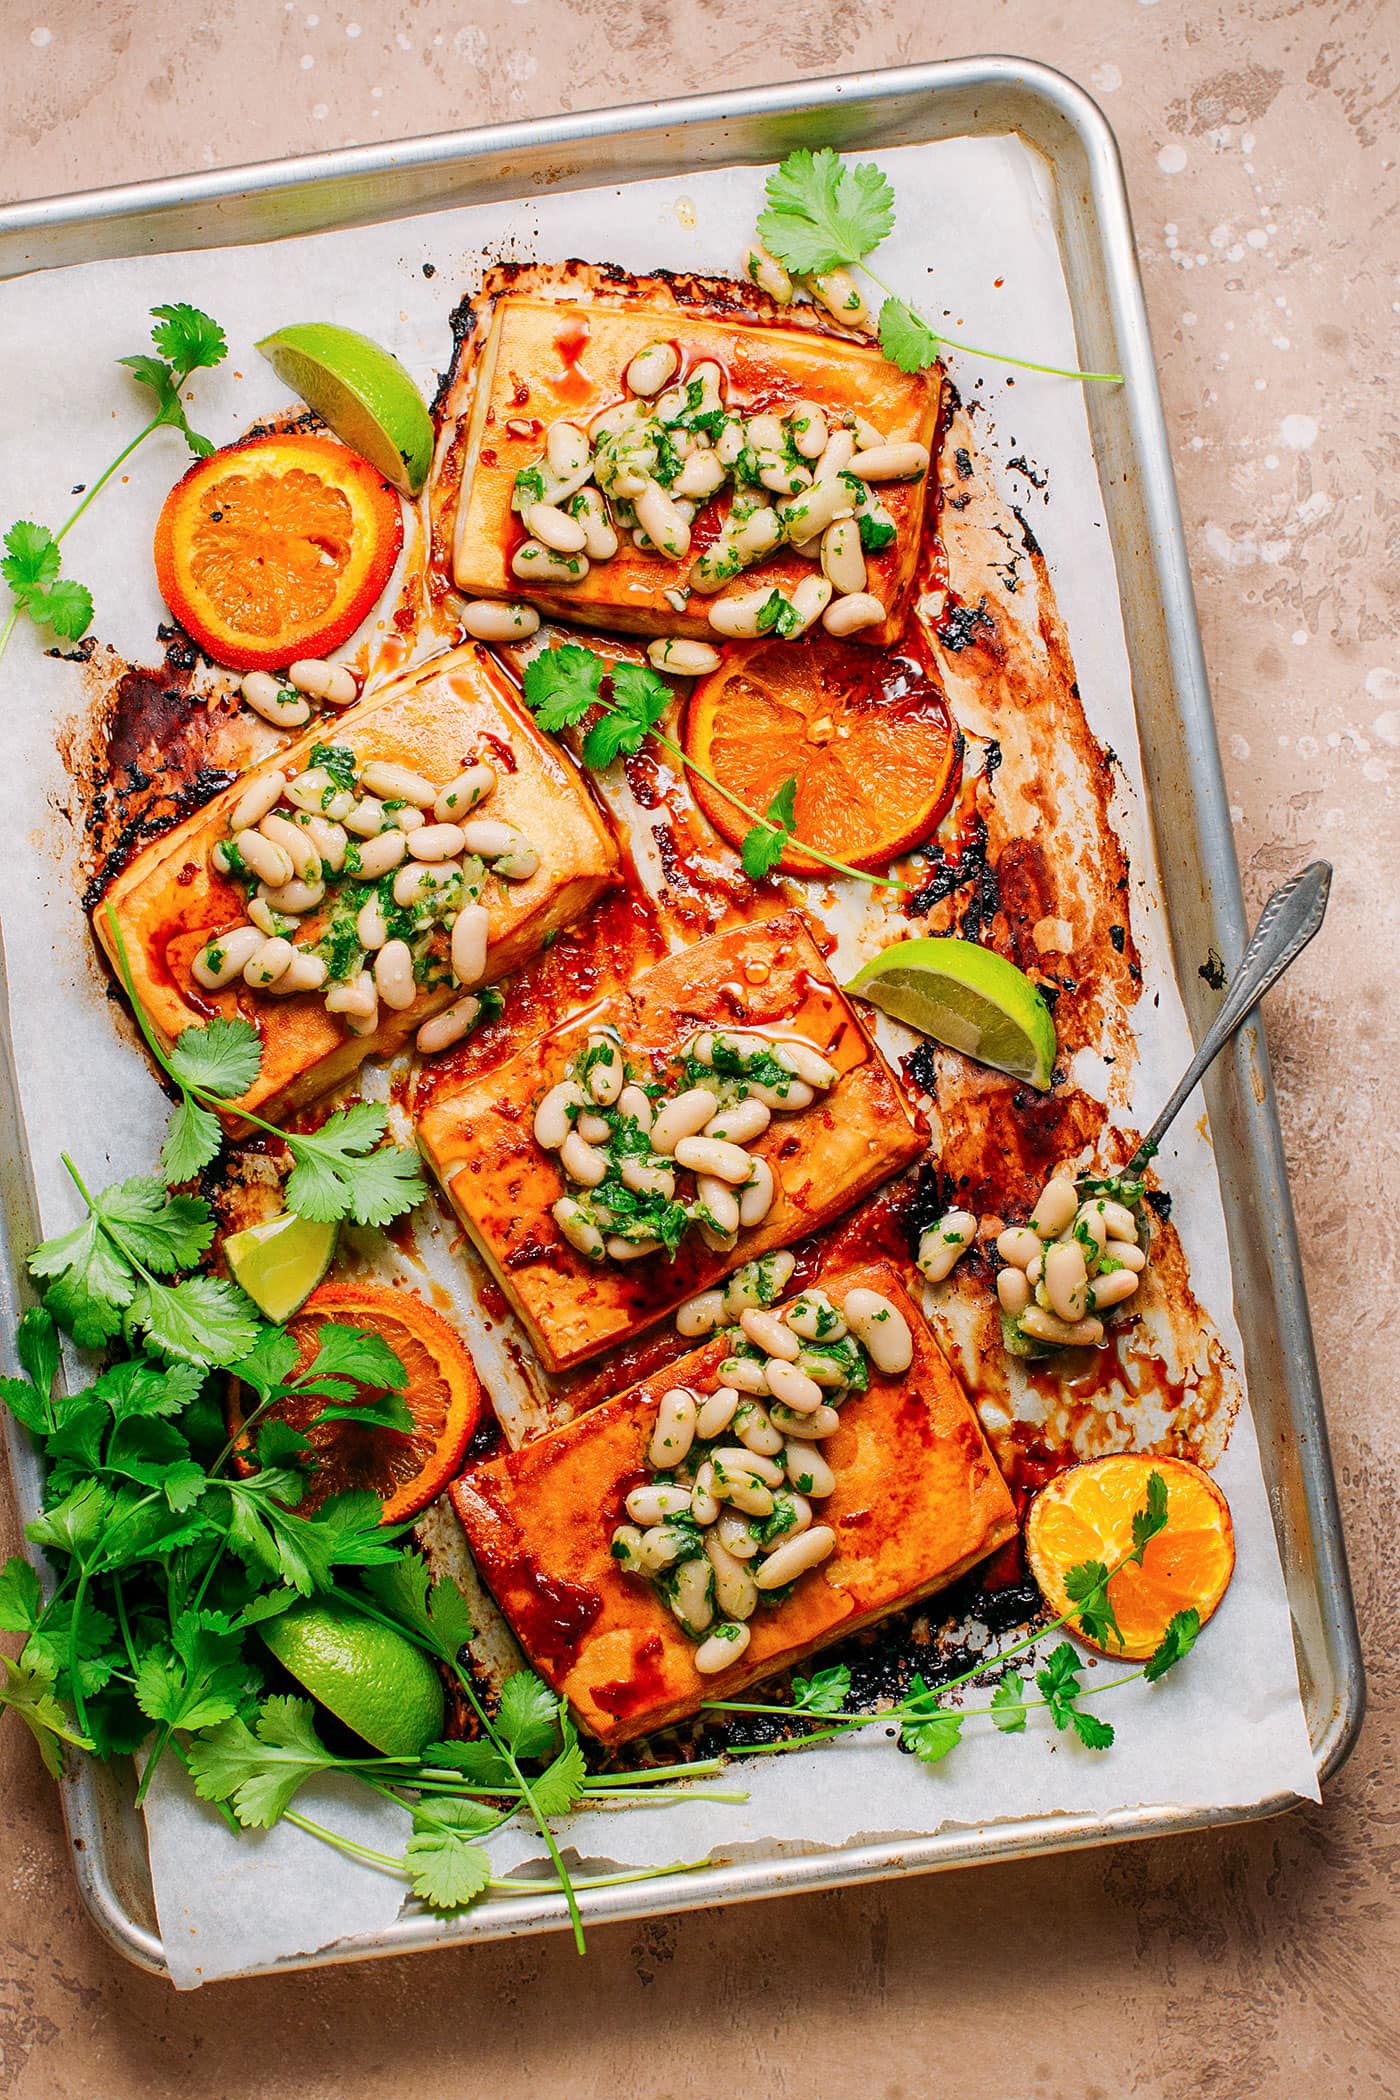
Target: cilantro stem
{"points": [[346, 1845], [102, 480], [1023, 364]]}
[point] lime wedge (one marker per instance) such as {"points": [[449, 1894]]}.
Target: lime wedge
{"points": [[280, 1264], [370, 1677], [362, 391], [968, 998]]}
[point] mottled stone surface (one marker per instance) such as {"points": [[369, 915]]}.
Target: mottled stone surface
{"points": [[1259, 138]]}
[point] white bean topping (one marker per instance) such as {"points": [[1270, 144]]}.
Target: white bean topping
{"points": [[740, 1460], [357, 997], [891, 463], [851, 615], [566, 449], [768, 274], [804, 1059], [718, 1200], [553, 1118], [1130, 1257], [1044, 1326], [738, 616], [630, 1250], [397, 783], [292, 897], [712, 1156], [745, 1492], [437, 842], [690, 1595], [234, 949], [660, 1548], [305, 973], [488, 620], [298, 845], [795, 1556], [448, 1027], [809, 514], [758, 1282], [272, 864], [821, 1422], [275, 702], [809, 600], [555, 528], [745, 1374], [393, 975], [704, 1507], [942, 1245], [716, 1412], [683, 659], [793, 1387], [577, 1227], [815, 1318], [650, 1504], [406, 819], [533, 562], [265, 794], [724, 1646], [464, 794], [808, 1471], [1013, 1291], [1111, 1289], [735, 1593], [1018, 1245], [1059, 1200], [582, 1162], [1120, 1222], [1066, 1281], [700, 1315], [843, 560], [740, 1123], [471, 931], [268, 962], [634, 1101], [366, 1023], [366, 817], [653, 368], [681, 1117], [735, 1536], [674, 1432], [423, 884], [379, 855], [796, 1095], [371, 926], [648, 1179], [839, 293], [837, 457], [319, 680], [754, 1430], [770, 1334], [1089, 1223], [880, 1328], [756, 1196], [330, 840], [627, 1549]]}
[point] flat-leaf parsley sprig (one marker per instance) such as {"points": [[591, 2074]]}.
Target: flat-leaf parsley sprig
{"points": [[188, 341], [563, 685], [824, 213], [930, 1729]]}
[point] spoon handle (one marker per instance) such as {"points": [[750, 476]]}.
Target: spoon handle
{"points": [[1287, 923]]}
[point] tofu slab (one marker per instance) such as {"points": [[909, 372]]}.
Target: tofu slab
{"points": [[477, 1136], [545, 359], [169, 902], [918, 1501]]}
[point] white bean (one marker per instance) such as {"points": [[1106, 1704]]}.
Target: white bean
{"points": [[700, 1315], [699, 478], [744, 1491], [891, 463], [1089, 1221], [556, 529], [595, 1128], [292, 897], [437, 842], [471, 931], [809, 514], [329, 839], [1044, 1326], [704, 1507], [716, 1412], [842, 557], [770, 1334], [272, 864], [319, 795], [305, 973], [274, 701], [582, 1162], [810, 599], [735, 1593], [808, 1471], [815, 1318], [660, 1548], [653, 1503], [356, 996], [394, 783], [793, 1388], [268, 962], [1058, 1202], [577, 1227], [1013, 1292], [840, 450], [599, 537], [796, 1095], [745, 1374], [1066, 1281], [880, 1328], [674, 1432], [756, 1196], [606, 1070], [691, 1593], [795, 1556], [566, 449], [713, 1157], [262, 795], [807, 422], [379, 855], [738, 616], [319, 680], [718, 1200], [735, 1536], [298, 845], [393, 975], [824, 1369], [723, 1647], [754, 1430], [941, 1246], [1120, 1222], [768, 274], [635, 1102], [839, 293], [626, 1549], [366, 1023], [653, 368], [1018, 1245], [740, 1123], [535, 563], [821, 1422], [406, 819], [648, 1179], [265, 918], [851, 615], [489, 620], [683, 659], [663, 524], [366, 817], [681, 1117], [234, 950], [553, 1117], [448, 1027], [759, 1282], [490, 837], [420, 884], [803, 1058], [1111, 1289], [630, 1250], [1131, 1257]]}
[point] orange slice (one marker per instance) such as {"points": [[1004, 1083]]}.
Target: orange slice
{"points": [[276, 549], [867, 735], [443, 1396], [1086, 1513]]}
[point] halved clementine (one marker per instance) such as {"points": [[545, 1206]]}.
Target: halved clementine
{"points": [[443, 1396], [276, 549], [1086, 1513], [866, 734]]}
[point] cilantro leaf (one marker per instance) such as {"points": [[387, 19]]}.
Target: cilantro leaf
{"points": [[561, 684], [75, 1524], [436, 1611], [823, 213], [155, 373], [201, 1320], [198, 1681], [346, 1531], [1176, 1643], [1059, 1683], [1086, 1585], [258, 1770], [188, 337], [90, 1282], [934, 1730], [224, 1057], [36, 1343], [446, 1869], [138, 1388], [1009, 1706], [270, 1362], [764, 845], [160, 1231], [825, 1692], [528, 1718], [28, 1691], [32, 558], [21, 1599], [355, 1352], [1151, 1518], [560, 1785], [640, 697], [191, 1141], [338, 1173], [1093, 1733], [65, 606], [480, 1762], [54, 1646], [906, 338]]}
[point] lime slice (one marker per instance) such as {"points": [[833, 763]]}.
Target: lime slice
{"points": [[967, 997], [280, 1264], [364, 394], [370, 1677]]}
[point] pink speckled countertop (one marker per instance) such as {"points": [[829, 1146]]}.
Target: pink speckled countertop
{"points": [[1259, 138]]}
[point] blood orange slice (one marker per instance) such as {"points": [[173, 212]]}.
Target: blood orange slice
{"points": [[866, 735], [443, 1396], [276, 549]]}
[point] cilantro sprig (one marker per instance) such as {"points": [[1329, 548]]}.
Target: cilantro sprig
{"points": [[824, 213], [188, 341], [567, 683]]}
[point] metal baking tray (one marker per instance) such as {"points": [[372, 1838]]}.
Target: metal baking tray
{"points": [[867, 111]]}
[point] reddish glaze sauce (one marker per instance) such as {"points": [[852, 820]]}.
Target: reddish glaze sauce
{"points": [[558, 1615], [628, 1695]]}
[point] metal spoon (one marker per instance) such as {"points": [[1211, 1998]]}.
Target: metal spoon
{"points": [[1287, 923]]}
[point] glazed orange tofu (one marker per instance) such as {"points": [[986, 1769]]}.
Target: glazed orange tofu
{"points": [[477, 1135], [917, 1501], [171, 903], [546, 361]]}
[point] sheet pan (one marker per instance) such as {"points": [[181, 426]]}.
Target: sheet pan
{"points": [[899, 107]]}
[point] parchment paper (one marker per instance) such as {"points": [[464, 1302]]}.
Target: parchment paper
{"points": [[974, 236]]}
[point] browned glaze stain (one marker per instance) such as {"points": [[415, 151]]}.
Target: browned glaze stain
{"points": [[628, 1695], [560, 1614]]}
